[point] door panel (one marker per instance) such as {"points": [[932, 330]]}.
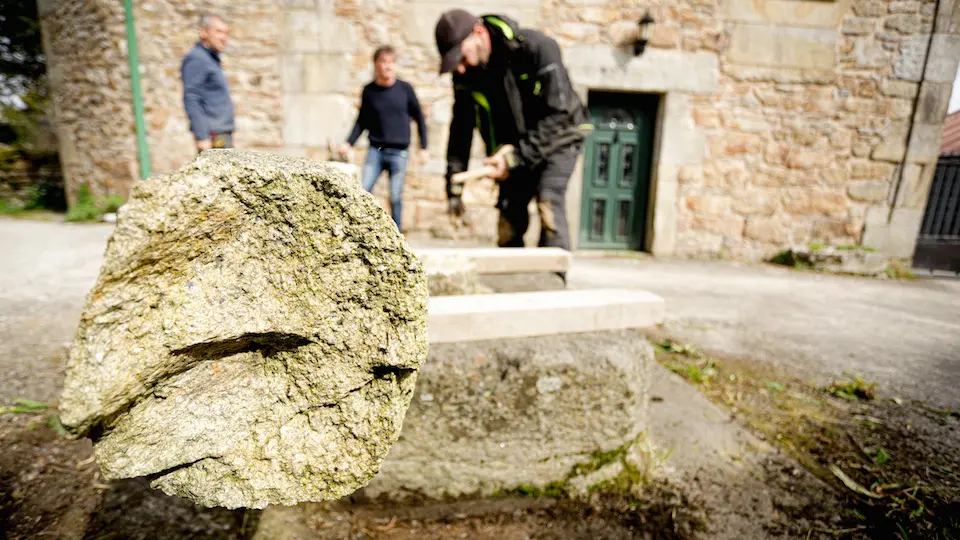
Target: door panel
{"points": [[617, 172]]}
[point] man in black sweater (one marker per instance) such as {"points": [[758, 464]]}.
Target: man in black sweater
{"points": [[510, 84], [386, 108]]}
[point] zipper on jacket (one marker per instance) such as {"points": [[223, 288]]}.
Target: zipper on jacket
{"points": [[481, 101]]}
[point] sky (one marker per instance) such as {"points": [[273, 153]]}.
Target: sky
{"points": [[955, 97]]}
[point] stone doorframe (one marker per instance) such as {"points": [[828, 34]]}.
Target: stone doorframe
{"points": [[672, 74]]}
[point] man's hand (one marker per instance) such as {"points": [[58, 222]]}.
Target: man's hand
{"points": [[424, 156], [344, 149], [205, 144], [500, 162]]}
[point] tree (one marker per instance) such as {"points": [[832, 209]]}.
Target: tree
{"points": [[22, 63], [28, 147]]}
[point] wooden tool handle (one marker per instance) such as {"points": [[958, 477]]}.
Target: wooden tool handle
{"points": [[466, 176]]}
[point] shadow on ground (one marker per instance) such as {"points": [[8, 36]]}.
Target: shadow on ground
{"points": [[49, 487]]}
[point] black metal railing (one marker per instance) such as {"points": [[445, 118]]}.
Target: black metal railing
{"points": [[938, 245]]}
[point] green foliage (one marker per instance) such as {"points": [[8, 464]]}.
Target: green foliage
{"points": [[680, 348], [112, 203], [89, 208], [21, 47], [853, 388], [24, 406], [784, 258], [880, 457], [699, 372], [556, 490], [84, 208], [775, 386], [855, 247], [8, 208]]}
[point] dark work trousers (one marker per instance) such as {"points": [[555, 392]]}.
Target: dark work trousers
{"points": [[548, 183]]}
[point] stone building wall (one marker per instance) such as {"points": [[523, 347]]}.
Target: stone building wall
{"points": [[166, 30], [327, 59], [807, 132], [85, 45], [781, 121]]}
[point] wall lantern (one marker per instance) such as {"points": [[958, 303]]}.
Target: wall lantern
{"points": [[646, 28]]}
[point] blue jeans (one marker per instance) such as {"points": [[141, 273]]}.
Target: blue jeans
{"points": [[394, 161]]}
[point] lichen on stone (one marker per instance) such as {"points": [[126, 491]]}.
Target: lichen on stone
{"points": [[253, 337]]}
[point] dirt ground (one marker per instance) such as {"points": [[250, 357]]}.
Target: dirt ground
{"points": [[892, 463], [754, 445]]}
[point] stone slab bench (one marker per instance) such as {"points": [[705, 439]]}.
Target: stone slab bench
{"points": [[503, 414], [502, 260], [497, 316], [522, 389]]}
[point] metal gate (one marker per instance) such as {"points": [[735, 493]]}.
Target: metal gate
{"points": [[938, 246]]}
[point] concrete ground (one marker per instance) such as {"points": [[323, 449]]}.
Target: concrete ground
{"points": [[905, 335], [46, 269], [902, 334]]}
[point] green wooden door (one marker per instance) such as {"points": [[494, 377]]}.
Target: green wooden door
{"points": [[616, 172]]}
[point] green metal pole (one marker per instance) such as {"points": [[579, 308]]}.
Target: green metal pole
{"points": [[143, 151]]}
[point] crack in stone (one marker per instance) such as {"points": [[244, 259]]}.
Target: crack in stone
{"points": [[267, 343]]}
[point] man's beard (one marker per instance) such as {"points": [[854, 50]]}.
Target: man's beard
{"points": [[483, 56]]}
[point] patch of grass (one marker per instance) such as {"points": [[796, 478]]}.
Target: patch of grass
{"points": [[775, 386], [598, 460], [784, 258], [855, 247], [682, 349], [112, 203], [84, 208], [946, 413], [699, 373], [817, 246], [853, 389], [7, 208], [630, 475], [880, 457], [899, 270], [556, 490], [88, 208], [24, 406], [28, 406]]}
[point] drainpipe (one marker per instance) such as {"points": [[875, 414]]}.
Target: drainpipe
{"points": [[143, 151]]}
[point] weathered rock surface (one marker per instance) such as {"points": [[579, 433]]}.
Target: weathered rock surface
{"points": [[500, 414], [451, 274], [253, 336]]}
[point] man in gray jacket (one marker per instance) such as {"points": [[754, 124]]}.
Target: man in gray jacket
{"points": [[206, 96]]}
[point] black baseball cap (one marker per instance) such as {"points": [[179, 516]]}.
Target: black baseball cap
{"points": [[453, 27]]}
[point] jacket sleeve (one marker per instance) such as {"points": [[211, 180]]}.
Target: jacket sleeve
{"points": [[416, 112], [461, 134], [359, 125], [558, 101], [194, 75]]}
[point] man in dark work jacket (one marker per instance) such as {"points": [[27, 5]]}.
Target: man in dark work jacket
{"points": [[386, 108], [510, 83]]}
